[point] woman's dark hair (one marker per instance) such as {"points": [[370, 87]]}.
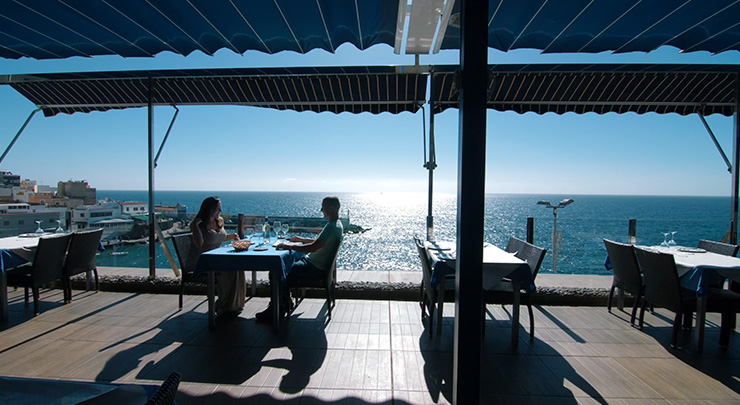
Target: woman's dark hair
{"points": [[206, 208]]}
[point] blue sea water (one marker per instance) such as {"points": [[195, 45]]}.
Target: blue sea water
{"points": [[395, 217]]}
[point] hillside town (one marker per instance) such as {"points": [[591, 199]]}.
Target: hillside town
{"points": [[29, 207]]}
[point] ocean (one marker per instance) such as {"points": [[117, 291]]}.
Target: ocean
{"points": [[393, 219]]}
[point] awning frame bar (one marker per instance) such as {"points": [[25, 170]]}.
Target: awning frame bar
{"points": [[18, 134], [716, 143], [166, 135]]}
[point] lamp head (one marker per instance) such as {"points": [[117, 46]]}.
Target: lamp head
{"points": [[566, 202], [542, 202]]}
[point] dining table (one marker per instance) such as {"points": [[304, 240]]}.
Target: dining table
{"points": [[497, 265], [14, 251], [699, 269], [260, 256]]}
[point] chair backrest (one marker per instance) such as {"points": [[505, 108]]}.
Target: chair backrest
{"points": [[719, 247], [48, 262], [533, 255], [166, 392], [662, 288], [624, 265], [423, 257], [514, 244], [333, 269], [81, 252], [184, 248]]}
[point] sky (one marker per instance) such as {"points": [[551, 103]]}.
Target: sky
{"points": [[229, 148]]}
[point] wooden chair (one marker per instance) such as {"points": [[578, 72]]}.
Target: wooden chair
{"points": [[328, 282], [503, 293], [662, 289], [47, 266], [81, 258], [719, 247], [165, 394], [627, 276], [187, 255]]}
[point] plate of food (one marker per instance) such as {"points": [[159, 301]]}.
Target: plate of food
{"points": [[241, 245]]}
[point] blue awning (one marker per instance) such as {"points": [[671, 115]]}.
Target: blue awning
{"points": [[48, 29], [356, 89], [609, 25]]}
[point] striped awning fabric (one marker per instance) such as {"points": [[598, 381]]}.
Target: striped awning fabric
{"points": [[335, 89], [681, 89]]}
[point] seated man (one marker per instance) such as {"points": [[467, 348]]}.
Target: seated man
{"points": [[319, 256]]}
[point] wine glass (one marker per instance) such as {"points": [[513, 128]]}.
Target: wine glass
{"points": [[59, 227], [665, 239], [277, 226], [286, 227], [672, 242], [38, 227], [248, 233]]}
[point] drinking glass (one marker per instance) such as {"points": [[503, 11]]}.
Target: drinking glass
{"points": [[672, 242], [277, 226], [59, 227], [665, 239], [248, 233], [38, 227], [286, 227]]}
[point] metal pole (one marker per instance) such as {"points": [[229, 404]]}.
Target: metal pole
{"points": [[555, 240], [633, 231], [716, 143], [735, 164], [530, 230], [150, 162], [471, 163], [431, 164], [20, 131]]}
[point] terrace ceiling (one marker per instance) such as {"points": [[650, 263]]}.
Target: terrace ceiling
{"points": [[51, 29]]}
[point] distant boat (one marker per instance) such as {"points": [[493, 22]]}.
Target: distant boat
{"points": [[117, 253]]}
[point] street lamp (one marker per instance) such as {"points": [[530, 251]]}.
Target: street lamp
{"points": [[555, 243]]}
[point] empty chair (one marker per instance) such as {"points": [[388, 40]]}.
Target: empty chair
{"points": [[81, 258], [662, 289], [327, 281], [719, 247], [626, 271], [503, 292], [47, 266], [187, 255]]}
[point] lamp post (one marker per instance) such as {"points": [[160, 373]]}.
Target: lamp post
{"points": [[555, 243]]}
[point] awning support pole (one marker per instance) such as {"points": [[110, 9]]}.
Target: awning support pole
{"points": [[735, 164], [471, 163], [150, 161], [430, 165], [20, 131], [714, 139], [167, 134]]}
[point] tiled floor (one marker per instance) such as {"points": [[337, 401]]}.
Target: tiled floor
{"points": [[369, 352]]}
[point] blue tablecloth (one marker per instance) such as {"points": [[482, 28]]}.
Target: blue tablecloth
{"points": [[226, 258], [700, 278], [9, 260]]}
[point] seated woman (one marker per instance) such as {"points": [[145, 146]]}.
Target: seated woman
{"points": [[209, 233]]}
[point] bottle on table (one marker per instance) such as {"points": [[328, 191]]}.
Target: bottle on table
{"points": [[266, 230]]}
